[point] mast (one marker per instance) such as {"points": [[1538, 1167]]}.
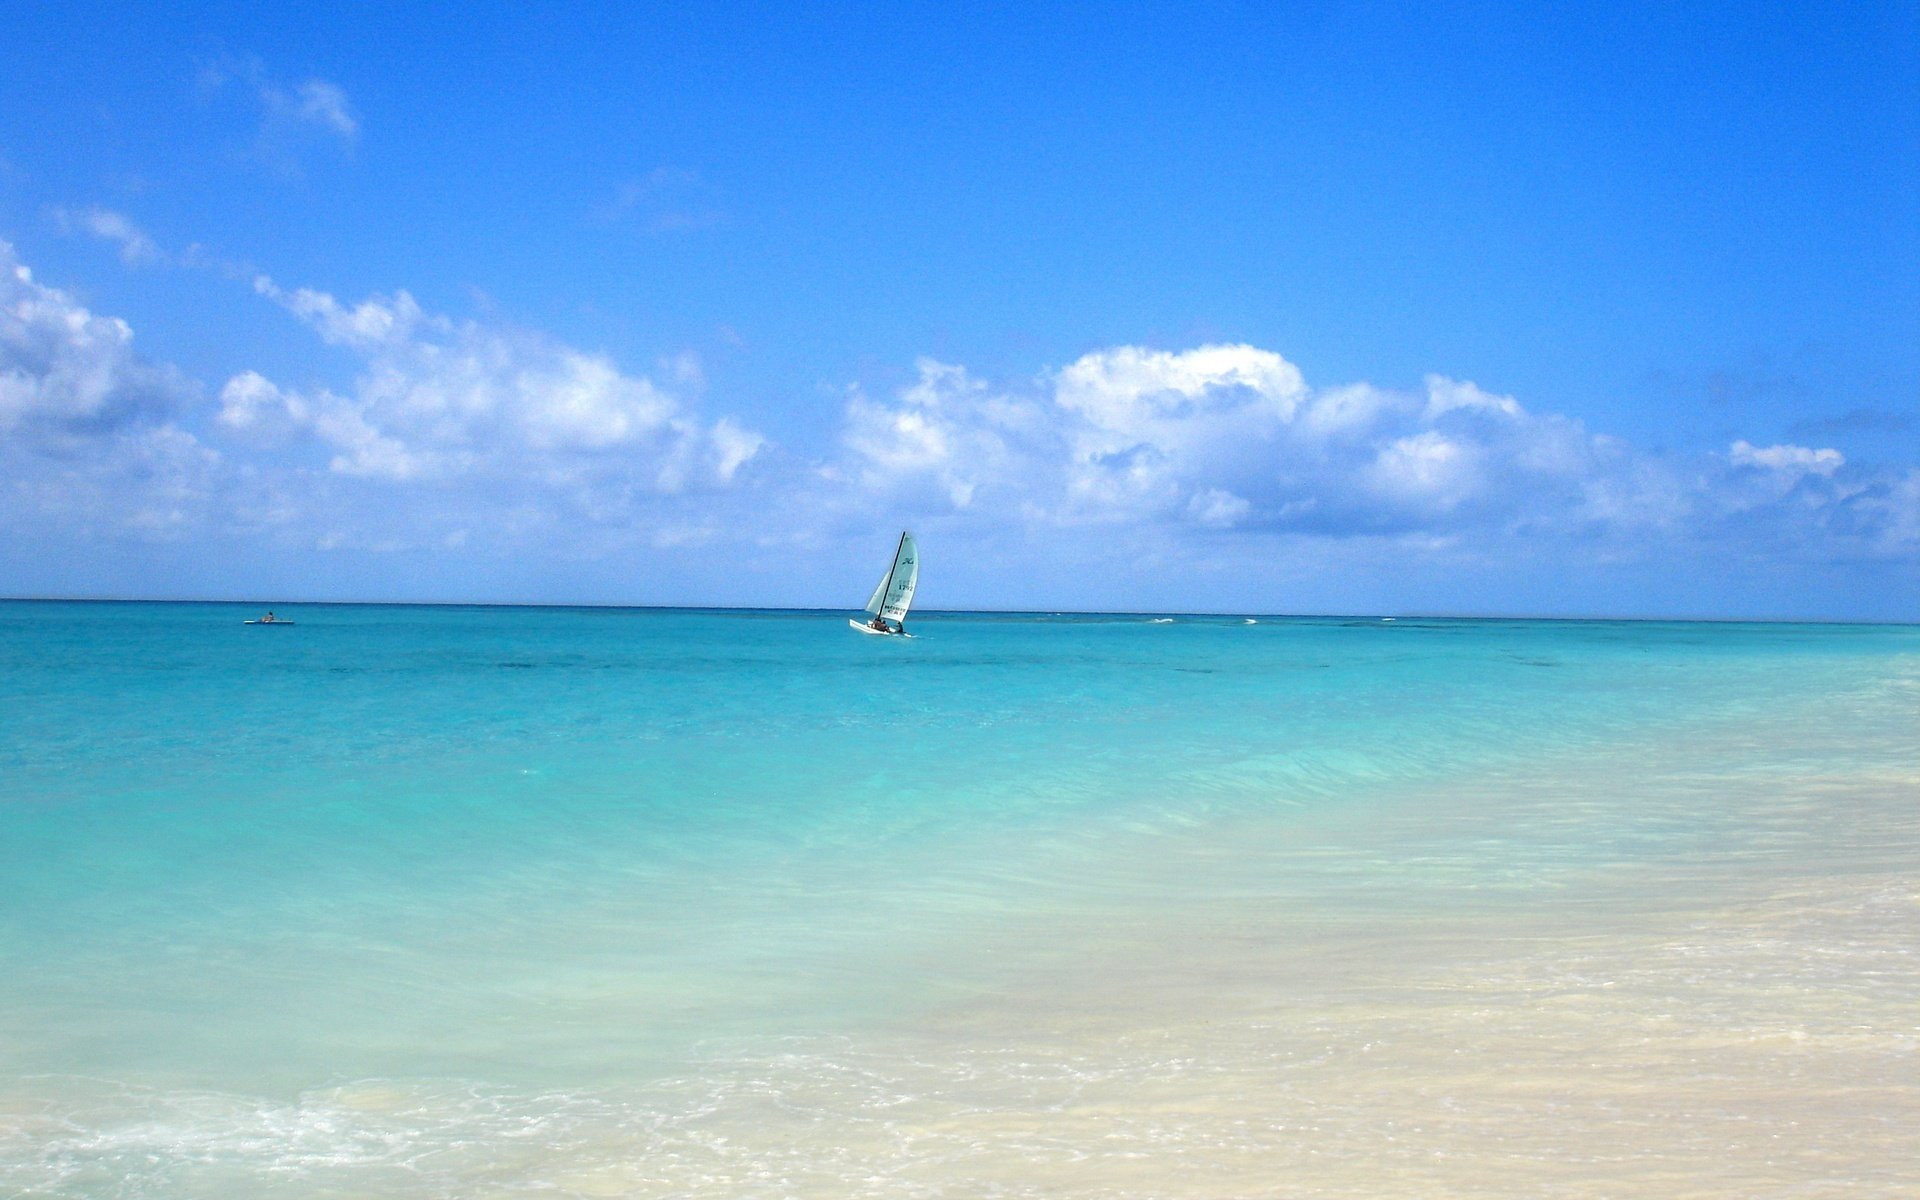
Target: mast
{"points": [[891, 571]]}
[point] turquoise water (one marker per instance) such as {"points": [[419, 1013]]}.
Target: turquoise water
{"points": [[450, 900]]}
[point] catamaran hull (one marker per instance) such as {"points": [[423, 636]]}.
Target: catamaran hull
{"points": [[869, 630]]}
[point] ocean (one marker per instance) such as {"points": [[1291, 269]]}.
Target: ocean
{"points": [[441, 901]]}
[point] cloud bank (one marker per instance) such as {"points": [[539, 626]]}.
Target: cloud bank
{"points": [[480, 438], [444, 425], [1232, 438]]}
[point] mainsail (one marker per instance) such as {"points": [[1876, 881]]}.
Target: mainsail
{"points": [[895, 593]]}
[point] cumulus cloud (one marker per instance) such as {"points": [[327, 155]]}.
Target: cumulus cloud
{"points": [[89, 433], [66, 372], [154, 482], [947, 434], [439, 399], [1143, 427], [1231, 437], [1221, 436], [445, 426]]}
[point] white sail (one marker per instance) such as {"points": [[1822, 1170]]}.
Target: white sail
{"points": [[894, 595]]}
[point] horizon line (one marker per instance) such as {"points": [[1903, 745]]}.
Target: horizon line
{"points": [[1060, 611]]}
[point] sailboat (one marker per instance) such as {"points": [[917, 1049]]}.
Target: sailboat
{"points": [[891, 599]]}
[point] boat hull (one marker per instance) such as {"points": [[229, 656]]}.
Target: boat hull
{"points": [[870, 631]]}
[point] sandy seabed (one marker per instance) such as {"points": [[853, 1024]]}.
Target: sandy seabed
{"points": [[1738, 1023]]}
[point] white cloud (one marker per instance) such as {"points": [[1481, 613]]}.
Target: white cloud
{"points": [[291, 118], [734, 447], [136, 248], [319, 103], [1219, 509], [456, 436], [1426, 468], [65, 371], [1129, 387], [1800, 460], [444, 399], [88, 430], [1340, 411], [253, 407], [1227, 436], [1451, 395], [1147, 430], [948, 434], [446, 425], [1231, 437]]}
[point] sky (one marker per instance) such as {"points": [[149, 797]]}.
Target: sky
{"points": [[1271, 308]]}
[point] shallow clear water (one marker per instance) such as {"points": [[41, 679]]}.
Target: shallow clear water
{"points": [[463, 901]]}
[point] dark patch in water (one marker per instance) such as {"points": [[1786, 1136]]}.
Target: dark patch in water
{"points": [[518, 666]]}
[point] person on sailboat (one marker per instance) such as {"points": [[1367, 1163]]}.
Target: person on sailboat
{"points": [[879, 625]]}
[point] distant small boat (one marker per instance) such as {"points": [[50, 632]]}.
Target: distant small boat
{"points": [[269, 619], [894, 596]]}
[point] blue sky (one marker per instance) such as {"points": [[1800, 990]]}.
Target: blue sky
{"points": [[1309, 308]]}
